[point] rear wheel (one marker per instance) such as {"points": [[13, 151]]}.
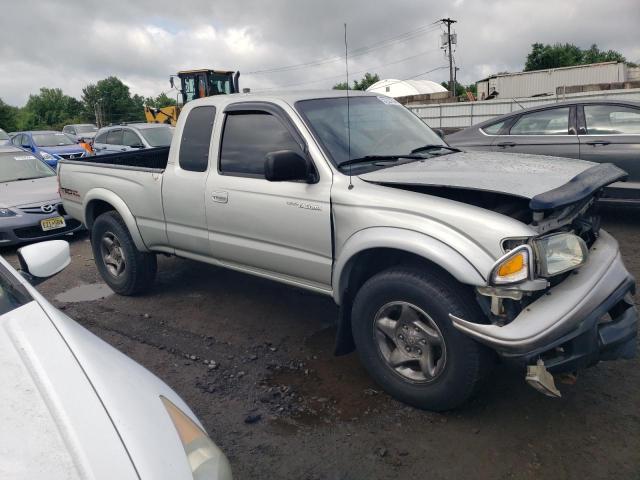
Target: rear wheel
{"points": [[404, 337], [123, 267]]}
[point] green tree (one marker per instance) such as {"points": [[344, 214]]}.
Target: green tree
{"points": [[162, 100], [366, 81], [544, 56], [8, 117], [113, 101], [461, 89], [49, 109]]}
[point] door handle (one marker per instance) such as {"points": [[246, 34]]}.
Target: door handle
{"points": [[220, 196], [598, 142], [505, 144]]}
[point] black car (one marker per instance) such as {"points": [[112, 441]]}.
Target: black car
{"points": [[594, 130]]}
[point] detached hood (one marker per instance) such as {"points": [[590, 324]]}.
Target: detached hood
{"points": [[27, 192], [548, 181]]}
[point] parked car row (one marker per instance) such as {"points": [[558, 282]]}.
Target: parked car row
{"points": [[82, 140]]}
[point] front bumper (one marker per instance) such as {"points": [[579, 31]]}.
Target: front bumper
{"points": [[588, 317], [26, 228]]}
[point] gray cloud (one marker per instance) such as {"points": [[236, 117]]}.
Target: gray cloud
{"points": [[68, 44]]}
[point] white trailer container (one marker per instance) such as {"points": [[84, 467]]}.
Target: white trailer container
{"points": [[540, 82]]}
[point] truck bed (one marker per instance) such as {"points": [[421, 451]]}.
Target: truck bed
{"points": [[154, 159]]}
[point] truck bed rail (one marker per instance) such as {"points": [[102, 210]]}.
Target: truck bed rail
{"points": [[148, 158]]}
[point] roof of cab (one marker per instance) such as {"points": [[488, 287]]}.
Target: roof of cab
{"points": [[289, 97]]}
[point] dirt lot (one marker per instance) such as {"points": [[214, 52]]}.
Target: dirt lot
{"points": [[254, 361]]}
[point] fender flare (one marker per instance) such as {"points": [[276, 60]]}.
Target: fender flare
{"points": [[119, 206], [410, 241]]}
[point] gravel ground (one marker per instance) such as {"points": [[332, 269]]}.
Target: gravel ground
{"points": [[254, 360]]}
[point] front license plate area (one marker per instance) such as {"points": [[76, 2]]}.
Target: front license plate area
{"points": [[52, 223]]}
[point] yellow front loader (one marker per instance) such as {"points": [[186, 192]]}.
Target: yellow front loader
{"points": [[194, 84]]}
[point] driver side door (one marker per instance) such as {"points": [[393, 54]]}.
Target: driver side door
{"points": [[277, 229]]}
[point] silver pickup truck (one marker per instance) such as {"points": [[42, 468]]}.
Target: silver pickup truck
{"points": [[441, 261]]}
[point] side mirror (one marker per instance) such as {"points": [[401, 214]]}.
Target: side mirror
{"points": [[288, 166], [43, 260], [439, 132]]}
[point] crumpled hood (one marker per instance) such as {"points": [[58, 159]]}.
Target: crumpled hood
{"points": [[515, 174], [27, 192]]}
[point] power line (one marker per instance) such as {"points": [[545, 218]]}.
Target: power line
{"points": [[333, 77], [353, 53]]}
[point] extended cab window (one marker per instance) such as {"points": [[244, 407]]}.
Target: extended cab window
{"points": [[554, 121], [611, 120], [248, 137], [196, 138]]}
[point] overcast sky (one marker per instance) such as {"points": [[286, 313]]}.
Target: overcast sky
{"points": [[71, 43]]}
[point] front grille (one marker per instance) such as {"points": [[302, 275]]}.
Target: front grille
{"points": [[35, 231], [71, 156], [38, 208]]}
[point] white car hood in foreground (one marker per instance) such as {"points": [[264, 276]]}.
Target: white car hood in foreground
{"points": [[53, 426], [510, 173], [98, 413]]}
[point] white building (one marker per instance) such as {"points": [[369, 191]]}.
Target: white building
{"points": [[403, 88]]}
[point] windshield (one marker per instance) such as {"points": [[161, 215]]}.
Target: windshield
{"points": [[52, 139], [16, 166], [86, 128], [3, 135], [158, 137], [379, 126]]}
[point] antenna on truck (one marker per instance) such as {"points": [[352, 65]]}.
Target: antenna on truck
{"points": [[346, 67]]}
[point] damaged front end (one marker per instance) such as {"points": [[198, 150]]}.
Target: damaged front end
{"points": [[562, 300]]}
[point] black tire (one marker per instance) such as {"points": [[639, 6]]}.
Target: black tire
{"points": [[466, 363], [139, 269]]}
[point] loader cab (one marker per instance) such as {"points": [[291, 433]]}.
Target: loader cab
{"points": [[196, 84]]}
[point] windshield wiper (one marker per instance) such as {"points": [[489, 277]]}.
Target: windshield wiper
{"points": [[434, 146], [374, 158]]}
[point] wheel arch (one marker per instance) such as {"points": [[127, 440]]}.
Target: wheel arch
{"points": [[371, 251], [99, 200]]}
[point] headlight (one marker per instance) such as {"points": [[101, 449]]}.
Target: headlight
{"points": [[513, 267], [206, 460], [47, 156], [559, 253], [5, 212]]}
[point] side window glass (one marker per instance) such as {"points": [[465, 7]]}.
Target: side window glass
{"points": [[493, 129], [101, 138], [554, 121], [114, 137], [130, 138], [196, 139], [248, 137], [611, 120]]}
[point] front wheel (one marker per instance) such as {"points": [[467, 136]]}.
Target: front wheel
{"points": [[402, 331], [123, 267]]}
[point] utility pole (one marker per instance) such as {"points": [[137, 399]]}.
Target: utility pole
{"points": [[448, 22]]}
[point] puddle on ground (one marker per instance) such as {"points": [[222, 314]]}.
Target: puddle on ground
{"points": [[85, 293]]}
